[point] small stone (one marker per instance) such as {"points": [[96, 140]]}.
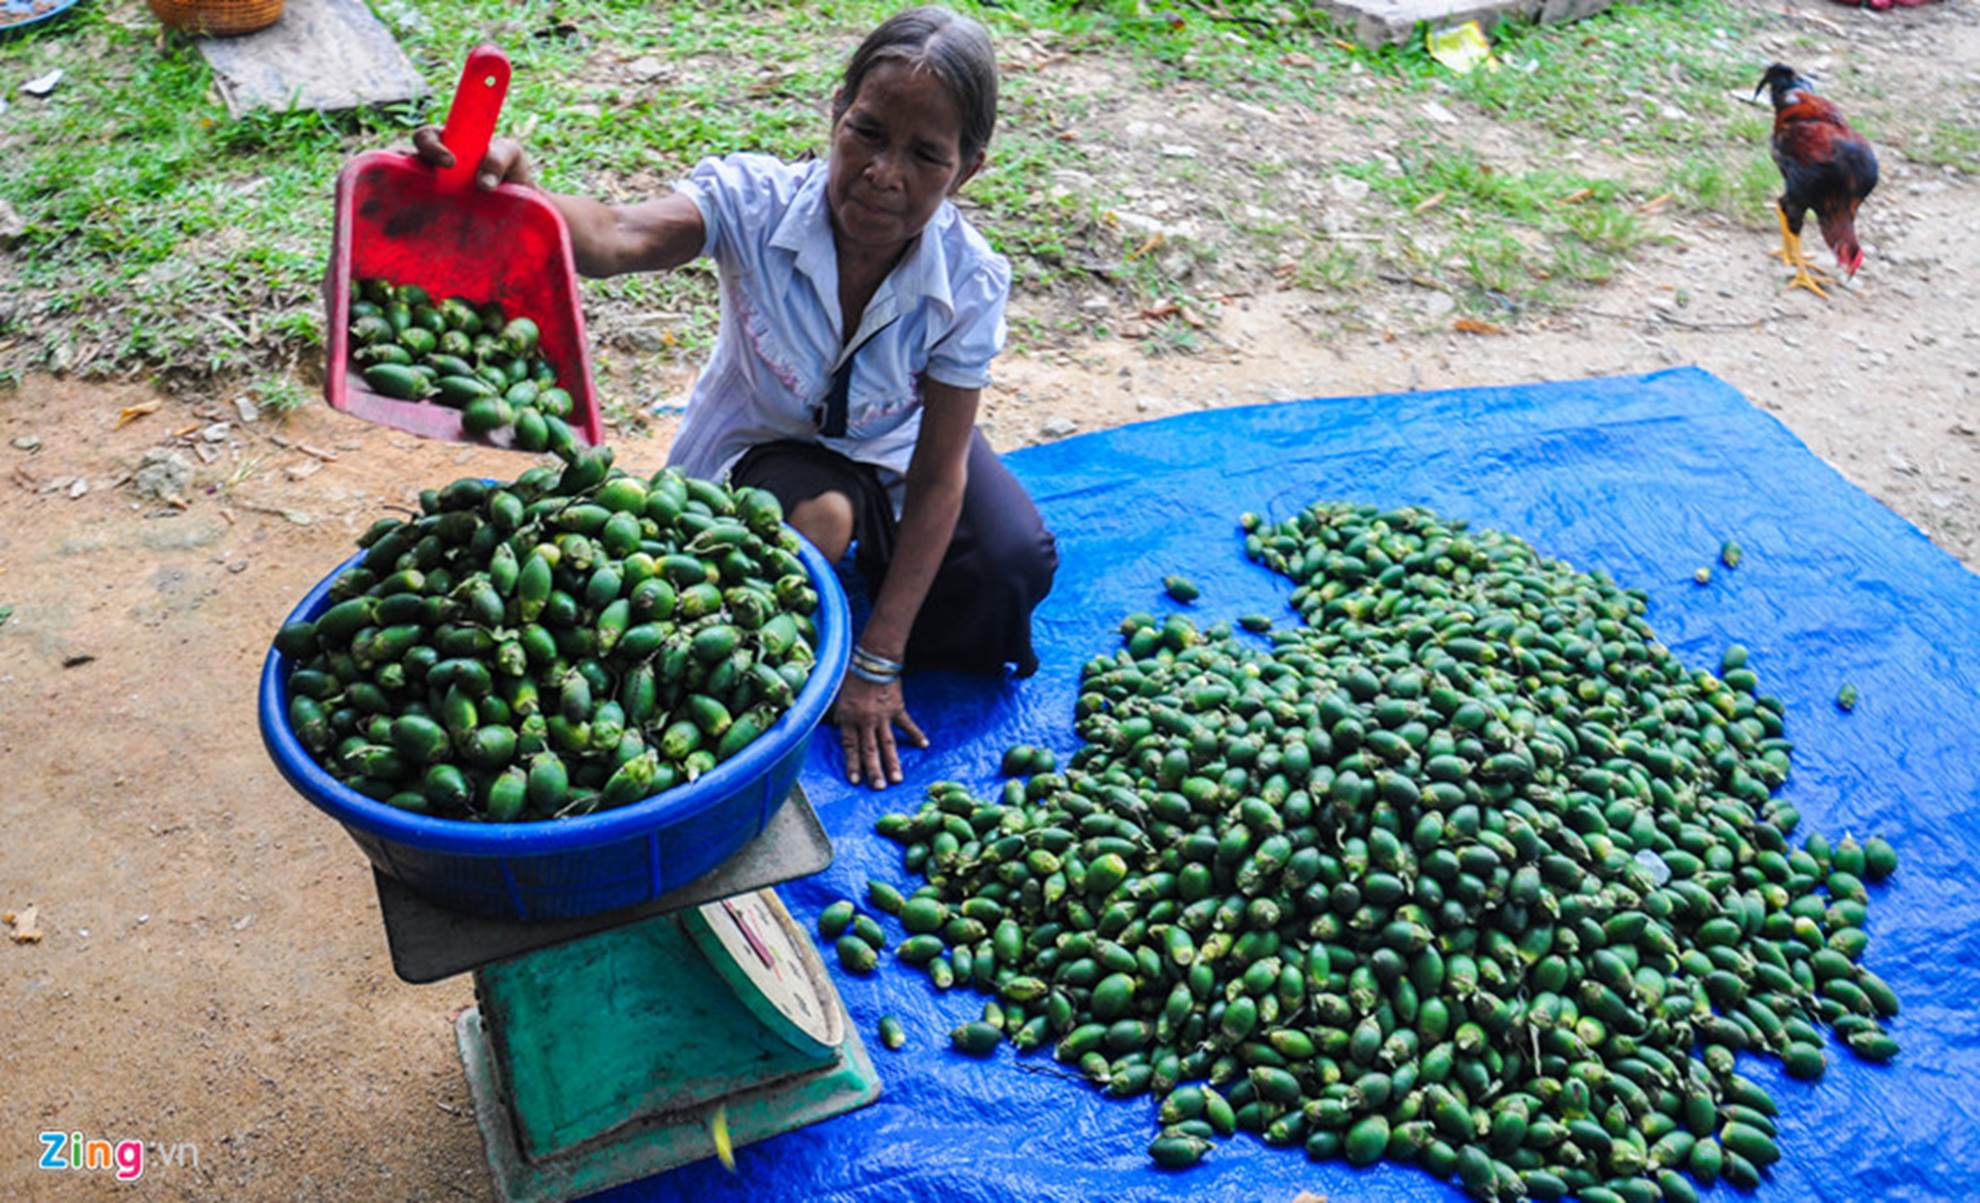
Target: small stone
{"points": [[77, 489], [237, 567], [12, 224], [143, 919], [584, 110], [42, 85], [216, 433], [27, 442], [207, 452], [646, 68], [163, 474], [1438, 113], [1058, 428], [1177, 150], [1348, 189], [1439, 304], [1097, 304], [247, 409]]}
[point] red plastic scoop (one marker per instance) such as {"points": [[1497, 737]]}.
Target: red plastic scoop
{"points": [[412, 224]]}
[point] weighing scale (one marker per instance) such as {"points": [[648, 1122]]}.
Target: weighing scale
{"points": [[600, 1048]]}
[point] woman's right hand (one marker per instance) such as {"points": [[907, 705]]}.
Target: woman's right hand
{"points": [[505, 162]]}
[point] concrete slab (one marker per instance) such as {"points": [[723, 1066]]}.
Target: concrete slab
{"points": [[323, 54], [1389, 22]]}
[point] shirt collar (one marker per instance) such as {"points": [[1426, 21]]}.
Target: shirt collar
{"points": [[806, 232]]}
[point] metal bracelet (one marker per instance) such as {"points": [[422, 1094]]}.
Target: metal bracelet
{"points": [[871, 678], [877, 663]]}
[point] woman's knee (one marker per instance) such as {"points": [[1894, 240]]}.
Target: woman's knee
{"points": [[826, 520], [1017, 559]]}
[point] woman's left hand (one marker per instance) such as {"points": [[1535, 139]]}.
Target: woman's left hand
{"points": [[867, 715]]}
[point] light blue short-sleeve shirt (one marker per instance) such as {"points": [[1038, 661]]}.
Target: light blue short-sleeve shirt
{"points": [[939, 315]]}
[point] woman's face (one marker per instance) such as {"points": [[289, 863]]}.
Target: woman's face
{"points": [[896, 154]]}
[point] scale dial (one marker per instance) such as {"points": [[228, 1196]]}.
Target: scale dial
{"points": [[769, 961]]}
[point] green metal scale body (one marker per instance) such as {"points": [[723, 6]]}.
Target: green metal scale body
{"points": [[603, 1058]]}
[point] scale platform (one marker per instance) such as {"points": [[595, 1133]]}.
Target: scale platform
{"points": [[601, 1049]]}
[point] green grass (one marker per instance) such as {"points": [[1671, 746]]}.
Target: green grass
{"points": [[1511, 231], [164, 236], [1331, 267], [1947, 144], [1739, 186], [279, 395], [1621, 78]]}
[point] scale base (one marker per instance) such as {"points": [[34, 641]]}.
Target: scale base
{"points": [[656, 1143]]}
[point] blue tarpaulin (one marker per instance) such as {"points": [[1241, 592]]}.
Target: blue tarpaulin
{"points": [[1644, 477]]}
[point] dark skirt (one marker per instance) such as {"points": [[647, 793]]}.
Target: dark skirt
{"points": [[999, 566]]}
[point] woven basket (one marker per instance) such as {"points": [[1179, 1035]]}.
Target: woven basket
{"points": [[220, 18]]}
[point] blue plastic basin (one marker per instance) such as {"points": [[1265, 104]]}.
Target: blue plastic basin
{"points": [[564, 868]]}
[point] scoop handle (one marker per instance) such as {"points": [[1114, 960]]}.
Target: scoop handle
{"points": [[471, 120]]}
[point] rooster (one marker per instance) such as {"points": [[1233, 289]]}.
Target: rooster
{"points": [[1827, 167]]}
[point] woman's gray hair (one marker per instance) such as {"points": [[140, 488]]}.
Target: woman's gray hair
{"points": [[948, 45]]}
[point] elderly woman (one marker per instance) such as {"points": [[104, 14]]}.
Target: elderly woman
{"points": [[860, 315]]}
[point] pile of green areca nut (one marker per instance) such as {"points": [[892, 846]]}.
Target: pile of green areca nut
{"points": [[573, 640], [1467, 872], [474, 358]]}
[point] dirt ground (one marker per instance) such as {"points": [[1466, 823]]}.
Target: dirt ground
{"points": [[212, 969]]}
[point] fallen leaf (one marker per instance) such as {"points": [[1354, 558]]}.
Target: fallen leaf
{"points": [[719, 1129], [25, 931], [328, 457], [131, 413], [1154, 240], [1471, 325], [1429, 202], [1157, 312], [1579, 194], [1655, 203], [78, 661]]}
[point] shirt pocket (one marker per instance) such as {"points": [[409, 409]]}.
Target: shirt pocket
{"points": [[874, 413], [885, 388]]}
